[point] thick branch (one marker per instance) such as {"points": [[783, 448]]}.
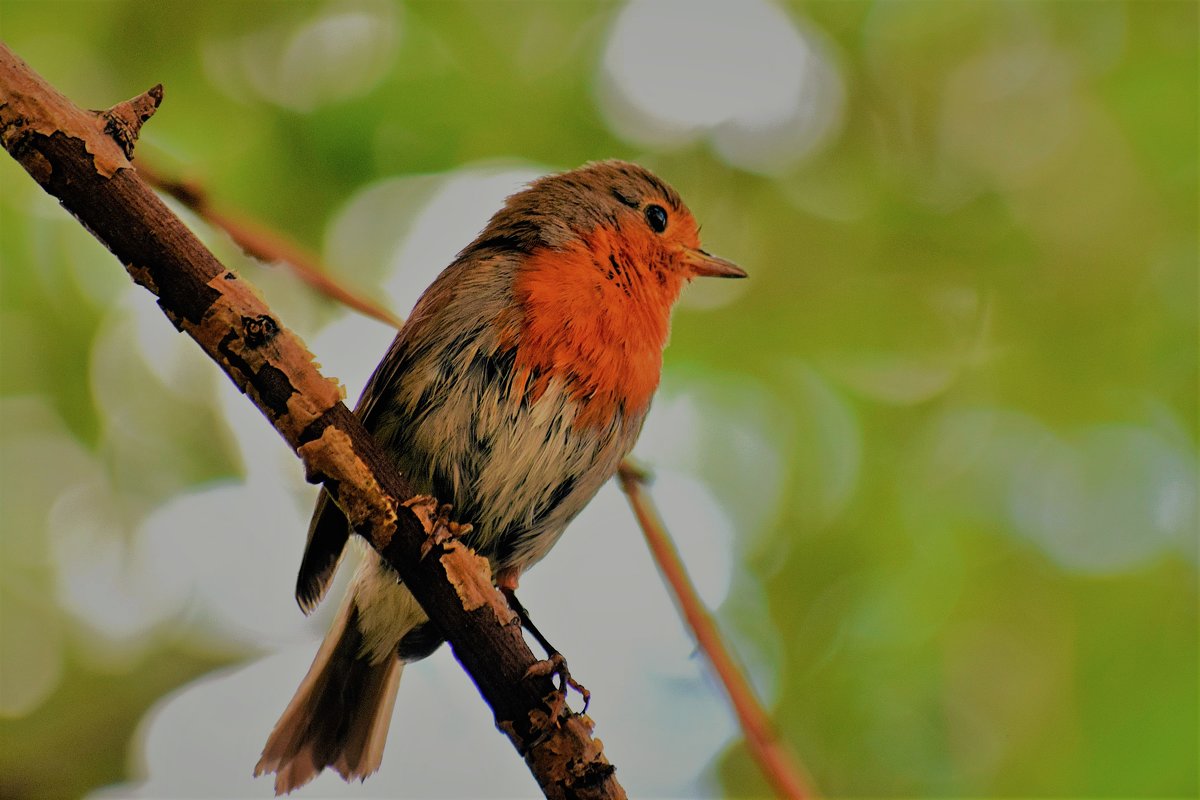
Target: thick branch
{"points": [[67, 151]]}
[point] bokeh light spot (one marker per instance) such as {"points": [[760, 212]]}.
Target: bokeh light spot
{"points": [[338, 54], [1116, 498], [743, 73]]}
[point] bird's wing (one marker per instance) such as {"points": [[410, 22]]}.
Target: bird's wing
{"points": [[329, 530]]}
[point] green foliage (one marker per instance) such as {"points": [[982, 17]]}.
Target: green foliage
{"points": [[961, 381]]}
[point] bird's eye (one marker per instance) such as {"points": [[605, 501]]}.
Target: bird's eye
{"points": [[656, 218]]}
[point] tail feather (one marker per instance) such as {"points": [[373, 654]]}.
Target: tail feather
{"points": [[339, 716], [327, 536]]}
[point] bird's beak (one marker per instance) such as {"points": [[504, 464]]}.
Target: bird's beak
{"points": [[702, 264]]}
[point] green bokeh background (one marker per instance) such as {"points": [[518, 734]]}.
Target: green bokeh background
{"points": [[951, 296]]}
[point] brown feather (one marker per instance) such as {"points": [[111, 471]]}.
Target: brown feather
{"points": [[327, 535], [339, 716]]}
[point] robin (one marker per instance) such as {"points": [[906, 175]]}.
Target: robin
{"points": [[516, 387]]}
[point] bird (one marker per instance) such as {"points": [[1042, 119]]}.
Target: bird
{"points": [[516, 387]]}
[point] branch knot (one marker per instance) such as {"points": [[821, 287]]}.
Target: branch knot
{"points": [[123, 122], [257, 331]]}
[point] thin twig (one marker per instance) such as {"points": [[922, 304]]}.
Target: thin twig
{"points": [[266, 244], [775, 759]]}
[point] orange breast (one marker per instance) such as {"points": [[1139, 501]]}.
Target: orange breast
{"points": [[597, 316]]}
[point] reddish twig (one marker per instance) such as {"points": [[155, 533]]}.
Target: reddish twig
{"points": [[266, 245], [772, 754]]}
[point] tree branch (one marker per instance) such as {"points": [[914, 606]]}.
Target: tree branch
{"points": [[81, 158], [774, 757], [266, 245]]}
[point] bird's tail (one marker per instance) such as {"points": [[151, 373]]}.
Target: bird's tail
{"points": [[339, 716]]}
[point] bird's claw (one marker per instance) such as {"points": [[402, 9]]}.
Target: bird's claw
{"points": [[555, 664], [439, 528]]}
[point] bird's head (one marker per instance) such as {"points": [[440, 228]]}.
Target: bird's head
{"points": [[624, 216]]}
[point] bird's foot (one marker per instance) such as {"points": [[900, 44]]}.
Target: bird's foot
{"points": [[435, 519], [556, 664]]}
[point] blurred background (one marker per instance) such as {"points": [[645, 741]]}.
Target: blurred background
{"points": [[934, 464]]}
